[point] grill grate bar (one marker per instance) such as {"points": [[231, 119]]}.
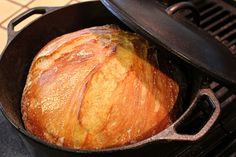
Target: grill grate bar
{"points": [[210, 12], [233, 49], [226, 95], [203, 9], [211, 26], [220, 23], [206, 6], [217, 88], [214, 85], [223, 28], [210, 20], [228, 35], [231, 43], [221, 92], [229, 100]]}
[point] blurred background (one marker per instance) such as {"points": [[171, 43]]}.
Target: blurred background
{"points": [[11, 8]]}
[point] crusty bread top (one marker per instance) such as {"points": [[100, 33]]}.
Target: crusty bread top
{"points": [[96, 88]]}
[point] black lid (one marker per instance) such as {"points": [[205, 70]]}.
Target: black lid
{"points": [[185, 40]]}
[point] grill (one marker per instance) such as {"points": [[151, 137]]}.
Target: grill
{"points": [[218, 18]]}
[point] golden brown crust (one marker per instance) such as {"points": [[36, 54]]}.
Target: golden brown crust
{"points": [[94, 89]]}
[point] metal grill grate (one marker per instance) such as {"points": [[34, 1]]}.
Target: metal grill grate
{"points": [[225, 95], [219, 22]]}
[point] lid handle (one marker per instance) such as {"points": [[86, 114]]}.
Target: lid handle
{"points": [[171, 10]]}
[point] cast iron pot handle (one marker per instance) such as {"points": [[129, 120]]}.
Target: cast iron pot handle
{"points": [[38, 10], [171, 134], [182, 6]]}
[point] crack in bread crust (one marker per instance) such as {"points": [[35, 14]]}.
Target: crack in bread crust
{"points": [[96, 88]]}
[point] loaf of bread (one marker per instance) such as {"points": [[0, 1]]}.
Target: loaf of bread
{"points": [[97, 88]]}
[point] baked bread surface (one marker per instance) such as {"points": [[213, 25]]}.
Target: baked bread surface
{"points": [[96, 88]]}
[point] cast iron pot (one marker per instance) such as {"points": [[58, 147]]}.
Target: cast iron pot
{"points": [[23, 45]]}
